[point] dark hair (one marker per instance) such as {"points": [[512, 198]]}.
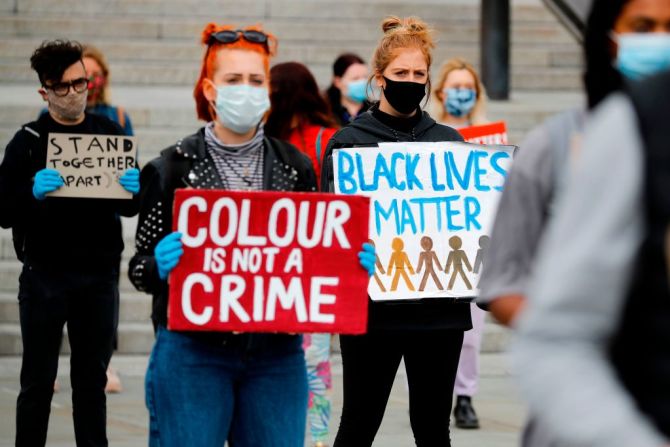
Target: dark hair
{"points": [[601, 78], [340, 66], [53, 57], [295, 94]]}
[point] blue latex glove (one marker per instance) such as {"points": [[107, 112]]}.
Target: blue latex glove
{"points": [[47, 180], [168, 252], [367, 258], [130, 180]]}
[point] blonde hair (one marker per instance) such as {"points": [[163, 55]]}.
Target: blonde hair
{"points": [[410, 32], [477, 115], [96, 55]]}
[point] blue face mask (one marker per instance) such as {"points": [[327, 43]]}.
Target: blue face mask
{"points": [[460, 101], [642, 54], [241, 107], [356, 90]]}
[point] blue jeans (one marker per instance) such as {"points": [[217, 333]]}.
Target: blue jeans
{"points": [[249, 390]]}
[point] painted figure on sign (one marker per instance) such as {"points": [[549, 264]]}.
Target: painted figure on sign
{"points": [[379, 266], [481, 254], [400, 261], [457, 258], [427, 258]]}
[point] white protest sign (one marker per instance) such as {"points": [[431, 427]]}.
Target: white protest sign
{"points": [[432, 208], [91, 165]]}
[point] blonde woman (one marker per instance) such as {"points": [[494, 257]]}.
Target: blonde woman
{"points": [[410, 329], [460, 101], [459, 95]]}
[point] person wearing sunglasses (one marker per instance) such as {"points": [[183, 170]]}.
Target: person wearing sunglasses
{"points": [[207, 388], [71, 252]]}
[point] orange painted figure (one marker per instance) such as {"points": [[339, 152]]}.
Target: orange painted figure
{"points": [[457, 258], [427, 258], [379, 266], [400, 261]]}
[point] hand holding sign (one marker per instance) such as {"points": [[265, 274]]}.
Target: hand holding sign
{"points": [[46, 181], [168, 252], [367, 258], [130, 180]]}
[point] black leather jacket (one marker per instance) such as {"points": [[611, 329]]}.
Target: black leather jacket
{"points": [[186, 165]]}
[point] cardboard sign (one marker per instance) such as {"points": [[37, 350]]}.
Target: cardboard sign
{"points": [[91, 165], [431, 212], [492, 134], [269, 262]]}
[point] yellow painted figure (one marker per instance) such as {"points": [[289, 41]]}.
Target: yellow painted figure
{"points": [[400, 261], [457, 258]]}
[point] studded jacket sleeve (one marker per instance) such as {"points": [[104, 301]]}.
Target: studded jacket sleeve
{"points": [[153, 224]]}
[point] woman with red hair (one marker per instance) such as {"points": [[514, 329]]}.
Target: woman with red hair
{"points": [[206, 388]]}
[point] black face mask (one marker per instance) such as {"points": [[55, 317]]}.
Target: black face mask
{"points": [[405, 97]]}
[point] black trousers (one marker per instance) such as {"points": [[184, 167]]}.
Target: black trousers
{"points": [[48, 301], [369, 365]]}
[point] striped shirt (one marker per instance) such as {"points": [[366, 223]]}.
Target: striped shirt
{"points": [[240, 166]]}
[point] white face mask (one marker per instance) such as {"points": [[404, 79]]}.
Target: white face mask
{"points": [[241, 107], [69, 107]]}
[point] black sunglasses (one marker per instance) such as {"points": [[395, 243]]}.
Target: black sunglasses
{"points": [[79, 85], [230, 36]]}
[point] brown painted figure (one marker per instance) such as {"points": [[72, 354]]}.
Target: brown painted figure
{"points": [[481, 254], [379, 267], [400, 261], [427, 258], [457, 258]]}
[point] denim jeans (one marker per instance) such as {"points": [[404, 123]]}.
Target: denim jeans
{"points": [[202, 394]]}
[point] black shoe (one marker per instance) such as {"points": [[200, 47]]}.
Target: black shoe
{"points": [[465, 414]]}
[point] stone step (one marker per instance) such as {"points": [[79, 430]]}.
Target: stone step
{"points": [[138, 338], [134, 338], [135, 307], [143, 51], [345, 9], [310, 29], [185, 74]]}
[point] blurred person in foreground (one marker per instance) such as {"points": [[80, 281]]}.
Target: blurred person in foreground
{"points": [[625, 40], [594, 348]]}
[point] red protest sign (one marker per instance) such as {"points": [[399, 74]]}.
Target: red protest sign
{"points": [[492, 133], [269, 262]]}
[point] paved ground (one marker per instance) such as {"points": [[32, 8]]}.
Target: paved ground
{"points": [[501, 411]]}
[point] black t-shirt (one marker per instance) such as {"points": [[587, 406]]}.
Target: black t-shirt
{"points": [[59, 233]]}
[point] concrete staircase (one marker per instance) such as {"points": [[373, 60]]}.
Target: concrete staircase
{"points": [[154, 52]]}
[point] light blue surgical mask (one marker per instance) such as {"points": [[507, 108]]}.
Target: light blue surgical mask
{"points": [[357, 90], [241, 107], [460, 101], [642, 54]]}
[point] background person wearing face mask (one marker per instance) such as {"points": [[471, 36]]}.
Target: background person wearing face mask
{"points": [[347, 95], [428, 334], [206, 388], [70, 249], [459, 96], [460, 101], [98, 100]]}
